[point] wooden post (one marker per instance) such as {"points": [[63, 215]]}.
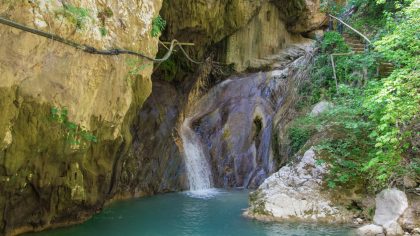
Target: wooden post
{"points": [[179, 43], [335, 75]]}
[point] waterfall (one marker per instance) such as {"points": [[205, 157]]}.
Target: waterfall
{"points": [[198, 169]]}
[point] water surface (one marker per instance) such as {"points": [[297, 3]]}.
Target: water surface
{"points": [[180, 214]]}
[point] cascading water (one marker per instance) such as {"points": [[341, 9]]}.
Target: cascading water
{"points": [[198, 169], [237, 121]]}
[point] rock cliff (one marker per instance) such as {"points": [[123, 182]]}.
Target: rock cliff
{"points": [[50, 175], [73, 130]]}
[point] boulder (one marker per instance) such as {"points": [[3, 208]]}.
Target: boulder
{"points": [[321, 107], [370, 230], [390, 205], [409, 182], [416, 232], [410, 219], [295, 193], [393, 229]]}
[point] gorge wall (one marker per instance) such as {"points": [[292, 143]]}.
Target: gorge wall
{"points": [[46, 177], [269, 43], [51, 177]]}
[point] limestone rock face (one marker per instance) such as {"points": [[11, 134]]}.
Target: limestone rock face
{"points": [[235, 120], [242, 32], [264, 36], [294, 193], [154, 163], [40, 166], [370, 230], [301, 15], [207, 22], [390, 205]]}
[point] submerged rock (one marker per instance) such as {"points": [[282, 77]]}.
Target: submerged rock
{"points": [[295, 193]]}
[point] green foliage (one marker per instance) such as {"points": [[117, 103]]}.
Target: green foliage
{"points": [[76, 134], [104, 31], [394, 102], [333, 42], [169, 69], [348, 149], [136, 65], [371, 129], [77, 15], [104, 14], [402, 46], [350, 69], [158, 25], [301, 130], [331, 7]]}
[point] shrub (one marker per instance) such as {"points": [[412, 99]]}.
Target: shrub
{"points": [[75, 133], [158, 25], [76, 15]]}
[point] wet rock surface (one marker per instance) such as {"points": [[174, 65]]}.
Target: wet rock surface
{"points": [[235, 121], [154, 164]]}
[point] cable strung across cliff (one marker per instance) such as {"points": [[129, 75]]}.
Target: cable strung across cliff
{"points": [[93, 50]]}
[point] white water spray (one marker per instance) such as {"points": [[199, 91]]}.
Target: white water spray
{"points": [[198, 169]]}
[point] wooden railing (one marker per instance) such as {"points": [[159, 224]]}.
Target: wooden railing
{"points": [[353, 29], [368, 42]]}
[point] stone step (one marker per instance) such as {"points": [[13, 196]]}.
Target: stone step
{"points": [[387, 64], [355, 44]]}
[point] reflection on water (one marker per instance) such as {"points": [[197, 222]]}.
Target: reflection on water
{"points": [[179, 214]]}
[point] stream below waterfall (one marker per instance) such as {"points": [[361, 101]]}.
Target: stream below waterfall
{"points": [[179, 214]]}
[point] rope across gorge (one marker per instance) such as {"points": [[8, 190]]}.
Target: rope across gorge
{"points": [[93, 50]]}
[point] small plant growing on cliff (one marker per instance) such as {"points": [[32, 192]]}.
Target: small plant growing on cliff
{"points": [[76, 134], [104, 31], [102, 16], [136, 65], [76, 15], [158, 25], [331, 7], [105, 14]]}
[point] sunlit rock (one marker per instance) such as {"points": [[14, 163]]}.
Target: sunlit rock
{"points": [[295, 193], [370, 230]]}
